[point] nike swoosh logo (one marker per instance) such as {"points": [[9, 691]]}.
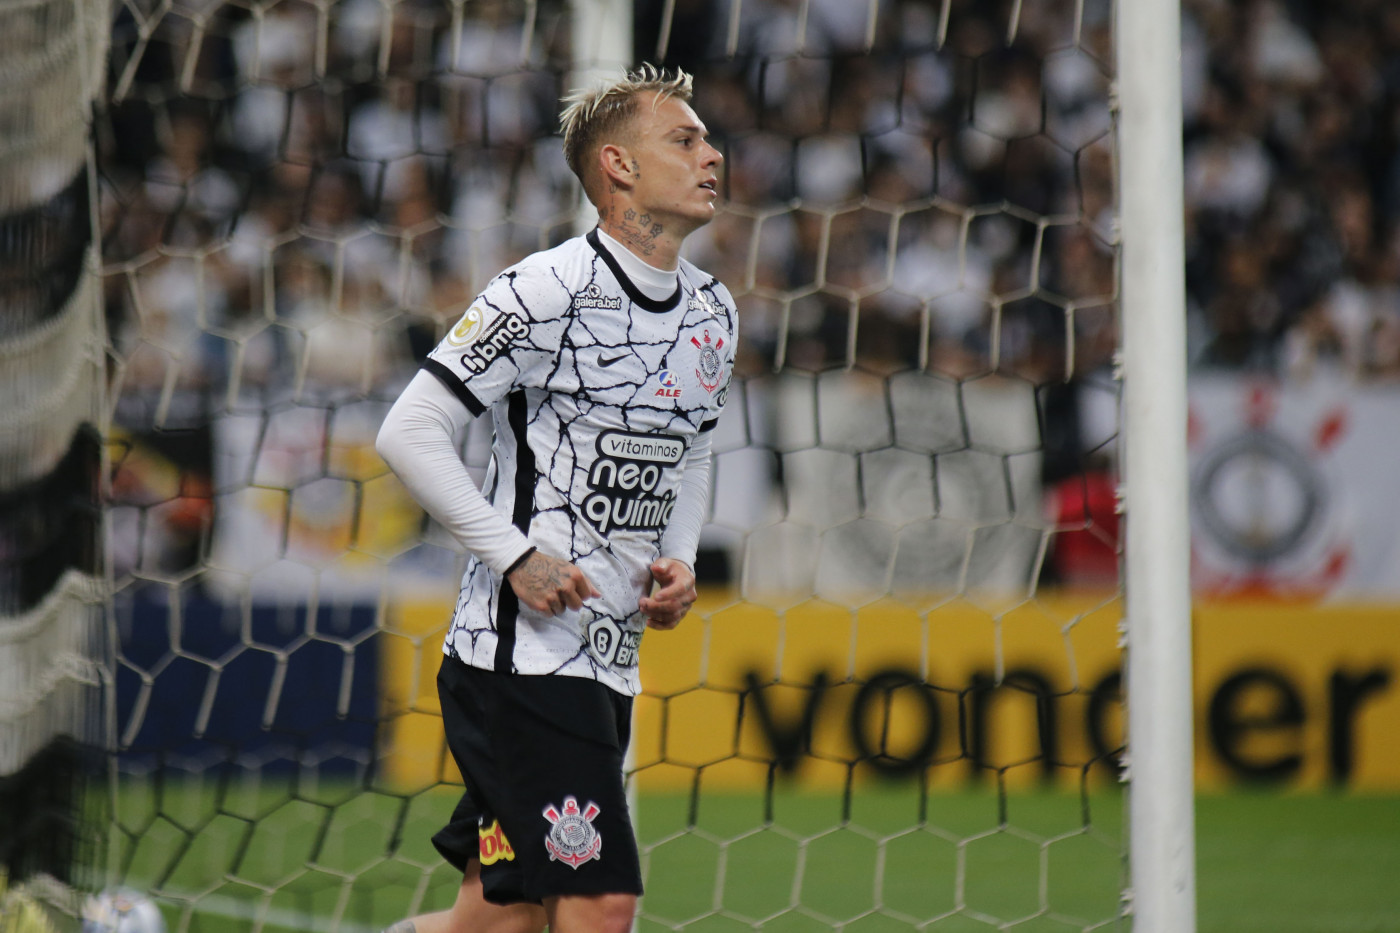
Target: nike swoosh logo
{"points": [[608, 361]]}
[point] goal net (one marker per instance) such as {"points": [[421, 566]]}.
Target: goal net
{"points": [[896, 706], [51, 352]]}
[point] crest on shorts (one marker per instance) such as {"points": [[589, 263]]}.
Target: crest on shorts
{"points": [[710, 363], [572, 838]]}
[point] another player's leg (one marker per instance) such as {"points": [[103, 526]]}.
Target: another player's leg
{"points": [[472, 913]]}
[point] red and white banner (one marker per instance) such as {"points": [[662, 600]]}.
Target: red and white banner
{"points": [[1295, 489]]}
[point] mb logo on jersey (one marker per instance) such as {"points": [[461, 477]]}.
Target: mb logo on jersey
{"points": [[710, 364], [572, 838], [611, 645]]}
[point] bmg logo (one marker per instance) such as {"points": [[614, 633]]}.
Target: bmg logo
{"points": [[493, 341]]}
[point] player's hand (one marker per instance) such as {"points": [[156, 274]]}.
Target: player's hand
{"points": [[674, 594], [548, 584]]}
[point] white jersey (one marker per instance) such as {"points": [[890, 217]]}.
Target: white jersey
{"points": [[596, 394]]}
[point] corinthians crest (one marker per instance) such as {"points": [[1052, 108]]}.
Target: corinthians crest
{"points": [[708, 370], [572, 838]]}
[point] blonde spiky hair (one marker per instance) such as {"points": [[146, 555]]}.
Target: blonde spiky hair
{"points": [[595, 115]]}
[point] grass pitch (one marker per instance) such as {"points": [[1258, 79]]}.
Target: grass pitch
{"points": [[237, 858]]}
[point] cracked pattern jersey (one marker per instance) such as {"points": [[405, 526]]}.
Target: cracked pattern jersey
{"points": [[596, 394]]}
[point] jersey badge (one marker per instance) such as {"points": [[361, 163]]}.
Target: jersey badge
{"points": [[709, 367], [468, 328], [669, 385], [572, 837]]}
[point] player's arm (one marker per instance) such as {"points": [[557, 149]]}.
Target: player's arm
{"points": [[674, 571], [417, 440], [549, 584]]}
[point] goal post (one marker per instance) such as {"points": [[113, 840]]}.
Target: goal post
{"points": [[602, 49], [1157, 552]]}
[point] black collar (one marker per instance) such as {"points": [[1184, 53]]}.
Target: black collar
{"points": [[633, 292]]}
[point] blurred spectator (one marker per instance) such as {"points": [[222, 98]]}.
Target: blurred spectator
{"points": [[1279, 98], [389, 135], [1292, 118], [306, 201]]}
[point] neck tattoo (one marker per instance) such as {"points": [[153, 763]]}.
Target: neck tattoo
{"points": [[638, 232]]}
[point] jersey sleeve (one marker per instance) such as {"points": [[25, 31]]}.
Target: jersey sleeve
{"points": [[506, 339]]}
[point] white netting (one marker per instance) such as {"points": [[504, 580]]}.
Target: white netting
{"points": [[52, 651], [911, 562], [52, 377], [51, 67], [51, 657]]}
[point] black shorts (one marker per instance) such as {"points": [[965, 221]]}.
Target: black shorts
{"points": [[545, 810]]}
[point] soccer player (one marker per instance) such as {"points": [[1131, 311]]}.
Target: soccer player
{"points": [[603, 364]]}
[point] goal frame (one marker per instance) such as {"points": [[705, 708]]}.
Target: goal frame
{"points": [[1156, 570]]}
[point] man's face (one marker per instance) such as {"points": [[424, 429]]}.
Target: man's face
{"points": [[675, 167]]}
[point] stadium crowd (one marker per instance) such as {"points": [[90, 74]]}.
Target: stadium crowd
{"points": [[394, 179], [301, 199]]}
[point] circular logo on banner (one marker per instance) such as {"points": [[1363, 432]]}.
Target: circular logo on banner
{"points": [[1258, 496]]}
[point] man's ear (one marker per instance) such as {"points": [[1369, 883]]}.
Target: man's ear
{"points": [[616, 165]]}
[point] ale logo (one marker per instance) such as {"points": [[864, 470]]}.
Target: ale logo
{"points": [[670, 385]]}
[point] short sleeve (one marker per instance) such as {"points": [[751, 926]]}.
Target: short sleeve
{"points": [[506, 339]]}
